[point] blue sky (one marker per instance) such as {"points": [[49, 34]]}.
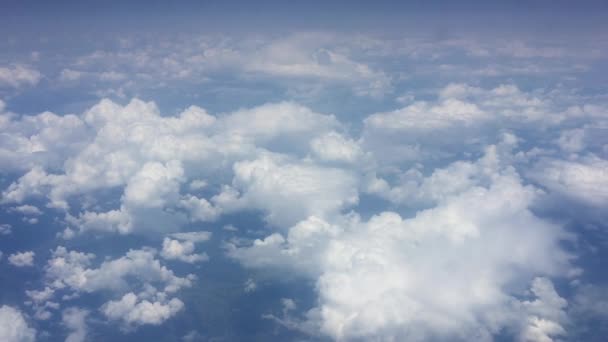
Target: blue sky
{"points": [[240, 171]]}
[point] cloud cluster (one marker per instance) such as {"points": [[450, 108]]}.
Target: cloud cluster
{"points": [[452, 271], [151, 157], [180, 246], [17, 76], [22, 259], [68, 274], [423, 226]]}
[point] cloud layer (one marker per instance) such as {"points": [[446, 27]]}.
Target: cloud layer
{"points": [[452, 210]]}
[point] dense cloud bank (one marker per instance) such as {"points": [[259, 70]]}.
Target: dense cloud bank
{"points": [[458, 251], [462, 213]]}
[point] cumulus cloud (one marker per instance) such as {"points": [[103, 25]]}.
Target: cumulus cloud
{"points": [[27, 210], [22, 259], [335, 147], [151, 158], [423, 227], [583, 179], [421, 115], [181, 246], [74, 319], [17, 76], [546, 313], [71, 270], [272, 182], [69, 274], [181, 250], [14, 327], [461, 117], [445, 273], [133, 311], [40, 300]]}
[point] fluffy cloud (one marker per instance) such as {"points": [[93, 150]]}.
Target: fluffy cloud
{"points": [[335, 147], [422, 115], [151, 157], [27, 210], [17, 76], [40, 300], [13, 326], [74, 319], [462, 117], [464, 105], [133, 311], [181, 250], [546, 313], [447, 272], [584, 179], [69, 274], [22, 259], [441, 244], [272, 183], [46, 140], [70, 270]]}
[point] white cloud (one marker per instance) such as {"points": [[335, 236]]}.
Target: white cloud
{"points": [[546, 313], [40, 300], [45, 139], [335, 147], [151, 157], [13, 326], [17, 76], [69, 274], [572, 141], [199, 209], [446, 258], [273, 183], [71, 270], [22, 259], [181, 250], [300, 56], [464, 105], [425, 116], [154, 185], [584, 179], [74, 319], [133, 311], [446, 272], [181, 246], [27, 210]]}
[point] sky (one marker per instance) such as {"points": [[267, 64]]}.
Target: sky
{"points": [[320, 171]]}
